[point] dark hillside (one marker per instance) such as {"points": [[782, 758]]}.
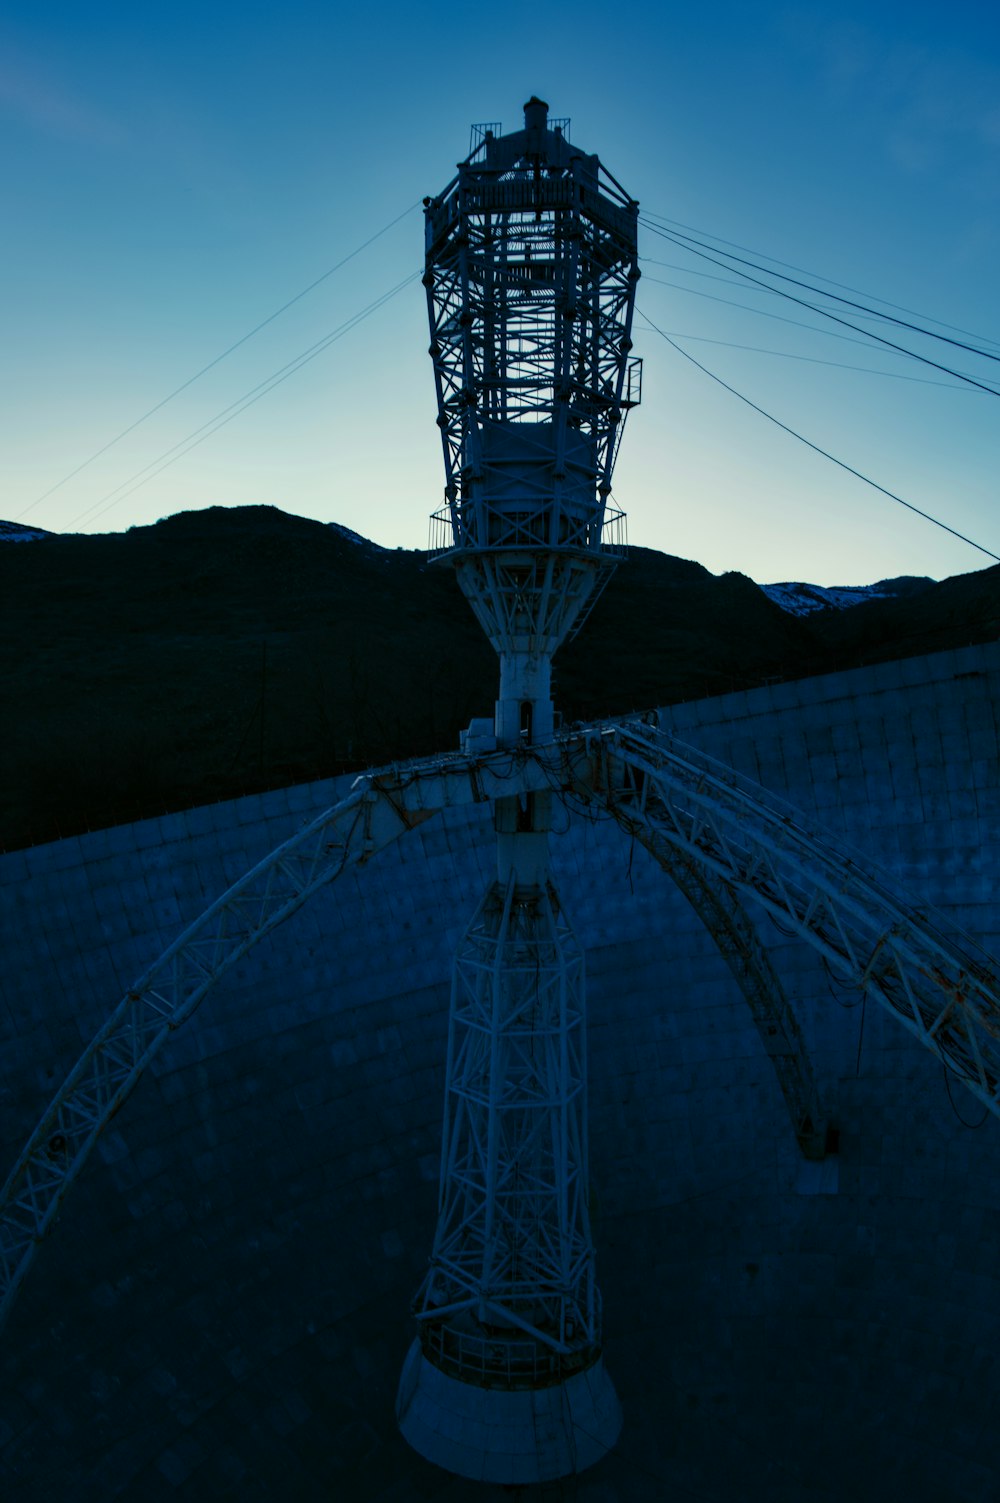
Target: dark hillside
{"points": [[231, 649], [666, 629], [216, 652], [950, 614]]}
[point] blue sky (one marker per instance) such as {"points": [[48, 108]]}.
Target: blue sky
{"points": [[174, 174]]}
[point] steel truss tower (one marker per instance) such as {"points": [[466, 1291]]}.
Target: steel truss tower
{"points": [[506, 1381], [531, 269]]}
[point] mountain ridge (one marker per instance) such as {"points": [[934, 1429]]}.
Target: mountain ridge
{"points": [[221, 651], [802, 599], [797, 597]]}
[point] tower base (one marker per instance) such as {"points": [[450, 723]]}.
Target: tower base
{"points": [[495, 1435]]}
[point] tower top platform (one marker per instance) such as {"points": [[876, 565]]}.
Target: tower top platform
{"points": [[531, 270], [543, 151]]}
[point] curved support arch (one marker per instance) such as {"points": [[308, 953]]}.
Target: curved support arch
{"points": [[718, 905], [720, 835], [382, 806], [931, 977]]}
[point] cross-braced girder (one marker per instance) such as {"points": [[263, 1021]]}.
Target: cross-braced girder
{"points": [[929, 976], [720, 909], [382, 807], [530, 601], [513, 1254], [907, 957], [531, 268]]}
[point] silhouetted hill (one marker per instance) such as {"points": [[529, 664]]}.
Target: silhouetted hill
{"points": [[667, 629], [953, 613], [230, 649]]}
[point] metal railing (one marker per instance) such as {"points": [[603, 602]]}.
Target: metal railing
{"points": [[525, 531], [499, 1361]]}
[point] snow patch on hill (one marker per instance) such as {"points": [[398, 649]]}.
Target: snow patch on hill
{"points": [[800, 599], [13, 532], [356, 538]]}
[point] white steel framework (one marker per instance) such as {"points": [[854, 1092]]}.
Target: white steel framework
{"points": [[531, 270], [681, 804], [348, 834], [531, 266], [930, 976], [513, 1249]]}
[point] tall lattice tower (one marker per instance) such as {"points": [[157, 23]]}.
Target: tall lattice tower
{"points": [[531, 268]]}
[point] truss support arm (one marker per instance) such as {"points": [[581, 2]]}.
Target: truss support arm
{"points": [[718, 906], [382, 806], [932, 978], [727, 839]]}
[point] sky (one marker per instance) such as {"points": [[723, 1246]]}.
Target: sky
{"points": [[175, 174]]}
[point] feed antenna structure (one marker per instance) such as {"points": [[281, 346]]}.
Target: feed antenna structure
{"points": [[530, 275], [531, 270]]}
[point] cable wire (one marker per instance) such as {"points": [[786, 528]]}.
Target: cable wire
{"points": [[218, 359], [832, 988], [689, 240], [972, 1126], [796, 323], [226, 415], [762, 255], [810, 445], [837, 365], [735, 281], [825, 313]]}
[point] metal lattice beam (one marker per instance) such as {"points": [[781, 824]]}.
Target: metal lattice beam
{"points": [[530, 270], [735, 836], [927, 974], [718, 905], [383, 806], [513, 1253]]}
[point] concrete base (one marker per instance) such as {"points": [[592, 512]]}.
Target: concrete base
{"points": [[492, 1435]]}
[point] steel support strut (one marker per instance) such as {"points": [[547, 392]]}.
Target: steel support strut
{"points": [[510, 1296], [930, 978], [382, 806]]}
